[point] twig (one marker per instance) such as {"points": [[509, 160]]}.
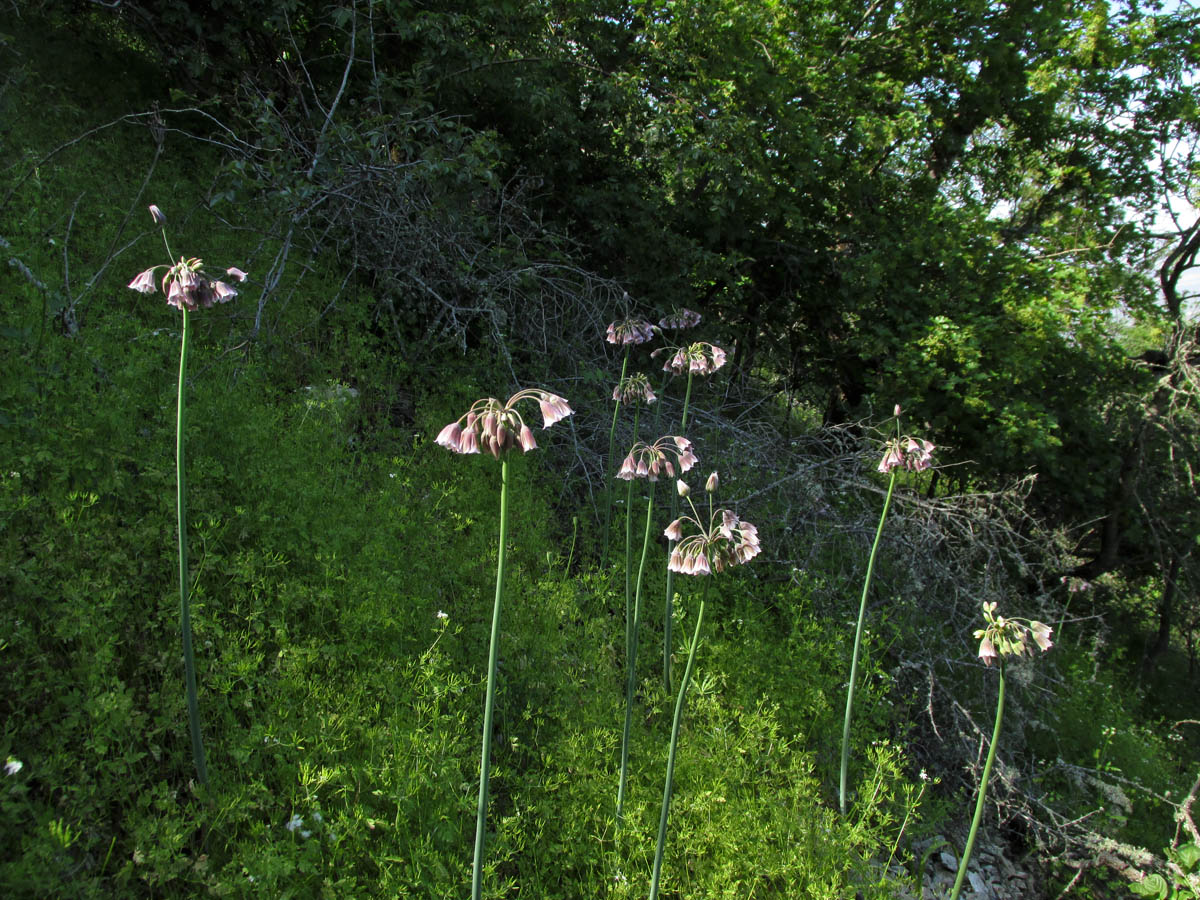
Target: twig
{"points": [[341, 90]]}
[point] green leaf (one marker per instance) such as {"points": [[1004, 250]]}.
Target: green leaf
{"points": [[1153, 886], [1188, 856]]}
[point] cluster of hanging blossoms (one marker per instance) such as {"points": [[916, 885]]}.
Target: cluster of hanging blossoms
{"points": [[650, 460], [187, 284], [634, 389], [726, 541], [700, 358], [914, 454], [494, 427], [630, 330], [679, 319], [1009, 637]]}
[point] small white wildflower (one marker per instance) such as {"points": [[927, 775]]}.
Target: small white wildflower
{"points": [[294, 822], [13, 766], [317, 818], [306, 834], [441, 614], [924, 775]]}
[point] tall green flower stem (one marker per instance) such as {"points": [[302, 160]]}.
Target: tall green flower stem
{"points": [[631, 649], [188, 286], [489, 702], [666, 803], [608, 462], [862, 614], [668, 606], [185, 615], [987, 773], [637, 411]]}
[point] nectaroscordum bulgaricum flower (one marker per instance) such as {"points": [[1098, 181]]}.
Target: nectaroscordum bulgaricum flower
{"points": [[679, 319], [700, 358], [634, 389], [1009, 637], [630, 330], [187, 284], [726, 541], [651, 460], [492, 427], [913, 454]]}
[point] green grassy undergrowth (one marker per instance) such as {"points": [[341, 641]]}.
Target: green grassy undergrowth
{"points": [[333, 696]]}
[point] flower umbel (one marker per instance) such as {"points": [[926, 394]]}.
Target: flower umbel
{"points": [[650, 460], [913, 454], [630, 330], [494, 427], [679, 319], [726, 541], [1010, 637], [634, 389], [700, 358], [188, 286]]}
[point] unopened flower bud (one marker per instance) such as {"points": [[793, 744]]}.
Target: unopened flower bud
{"points": [[711, 484], [681, 488], [157, 215]]}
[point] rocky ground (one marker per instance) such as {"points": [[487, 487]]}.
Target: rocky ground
{"points": [[990, 874]]}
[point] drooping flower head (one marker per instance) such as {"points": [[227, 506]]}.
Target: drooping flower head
{"points": [[634, 389], [187, 284], [726, 541], [495, 428], [679, 319], [1010, 637], [913, 454], [630, 330], [700, 358], [650, 460]]}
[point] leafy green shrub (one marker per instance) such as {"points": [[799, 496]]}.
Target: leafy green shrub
{"points": [[1098, 757]]}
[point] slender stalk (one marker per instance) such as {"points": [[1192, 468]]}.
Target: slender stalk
{"points": [[658, 408], [608, 462], [668, 606], [666, 803], [862, 613], [631, 673], [571, 554], [489, 702], [637, 410], [987, 774], [185, 614]]}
